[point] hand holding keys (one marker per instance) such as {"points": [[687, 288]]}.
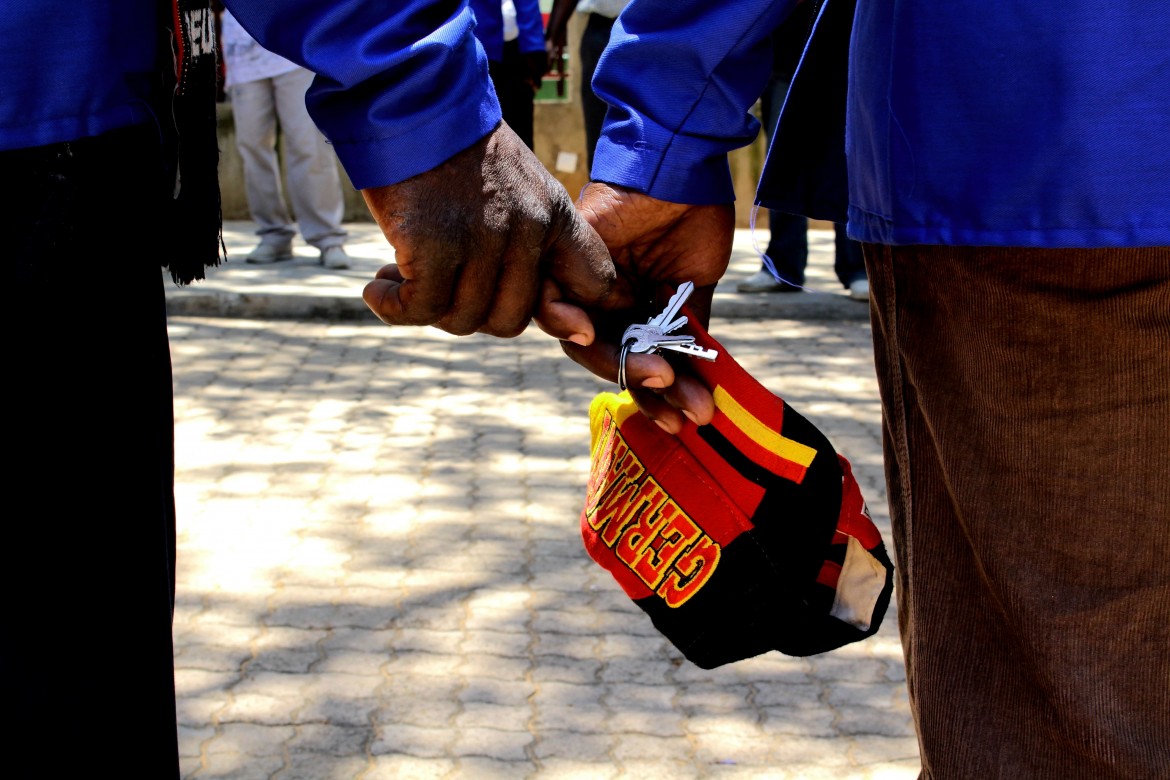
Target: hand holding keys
{"points": [[655, 334]]}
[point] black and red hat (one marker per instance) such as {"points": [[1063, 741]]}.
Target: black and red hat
{"points": [[742, 536]]}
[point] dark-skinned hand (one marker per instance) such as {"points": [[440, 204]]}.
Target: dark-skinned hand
{"points": [[556, 30], [484, 243], [535, 67], [656, 246]]}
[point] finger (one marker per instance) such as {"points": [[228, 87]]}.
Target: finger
{"points": [[392, 297], [427, 290], [498, 290], [686, 399], [692, 397], [427, 267], [474, 300], [390, 272], [662, 394], [562, 320], [602, 358], [381, 295], [517, 289], [579, 262], [656, 408]]}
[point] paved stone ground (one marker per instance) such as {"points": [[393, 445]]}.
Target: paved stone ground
{"points": [[381, 575]]}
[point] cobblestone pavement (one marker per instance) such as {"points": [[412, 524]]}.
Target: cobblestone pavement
{"points": [[381, 575]]}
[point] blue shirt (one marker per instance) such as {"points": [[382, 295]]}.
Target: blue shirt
{"points": [[74, 70], [1011, 124], [490, 26], [1018, 124], [401, 87]]}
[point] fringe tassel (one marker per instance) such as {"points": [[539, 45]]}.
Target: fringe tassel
{"points": [[195, 215]]}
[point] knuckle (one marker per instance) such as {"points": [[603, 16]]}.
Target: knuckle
{"points": [[415, 316], [454, 325], [505, 331]]}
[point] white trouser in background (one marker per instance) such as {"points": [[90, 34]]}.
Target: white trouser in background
{"points": [[314, 184]]}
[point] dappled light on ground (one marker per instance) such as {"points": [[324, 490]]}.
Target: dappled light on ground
{"points": [[381, 574]]}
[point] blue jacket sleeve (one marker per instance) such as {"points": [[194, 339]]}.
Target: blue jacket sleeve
{"points": [[401, 85], [489, 27], [531, 25], [681, 77], [489, 16]]}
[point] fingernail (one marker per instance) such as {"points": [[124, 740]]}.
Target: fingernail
{"points": [[654, 383], [580, 339], [663, 426], [691, 416]]}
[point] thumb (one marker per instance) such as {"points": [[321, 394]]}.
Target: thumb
{"points": [[562, 320]]}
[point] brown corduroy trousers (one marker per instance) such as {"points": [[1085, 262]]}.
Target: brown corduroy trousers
{"points": [[1026, 399]]}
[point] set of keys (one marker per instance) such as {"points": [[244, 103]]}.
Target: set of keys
{"points": [[658, 333]]}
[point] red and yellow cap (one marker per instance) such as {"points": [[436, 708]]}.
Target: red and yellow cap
{"points": [[742, 536]]}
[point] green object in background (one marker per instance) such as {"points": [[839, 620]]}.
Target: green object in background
{"points": [[555, 87]]}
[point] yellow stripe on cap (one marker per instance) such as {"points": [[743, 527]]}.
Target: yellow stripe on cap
{"points": [[761, 434]]}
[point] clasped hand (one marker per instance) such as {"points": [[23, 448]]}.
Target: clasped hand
{"points": [[489, 241], [655, 246]]}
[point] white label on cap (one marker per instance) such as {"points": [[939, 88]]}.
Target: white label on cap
{"points": [[859, 586]]}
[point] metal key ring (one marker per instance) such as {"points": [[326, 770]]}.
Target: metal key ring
{"points": [[622, 366]]}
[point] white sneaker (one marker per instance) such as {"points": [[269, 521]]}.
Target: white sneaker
{"points": [[763, 281], [334, 257], [269, 253], [859, 289]]}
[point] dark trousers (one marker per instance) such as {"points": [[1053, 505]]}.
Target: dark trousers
{"points": [[89, 438], [514, 93], [1026, 408], [594, 38], [788, 250]]}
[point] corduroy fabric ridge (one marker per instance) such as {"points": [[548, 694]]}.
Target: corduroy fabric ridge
{"points": [[1026, 398]]}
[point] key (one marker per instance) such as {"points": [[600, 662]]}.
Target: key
{"points": [[666, 320], [646, 338], [662, 324], [684, 344], [672, 327], [692, 349], [638, 338], [656, 334]]}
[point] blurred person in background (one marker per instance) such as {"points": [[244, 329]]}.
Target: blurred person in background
{"points": [[512, 35], [267, 94], [599, 17], [788, 233]]}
